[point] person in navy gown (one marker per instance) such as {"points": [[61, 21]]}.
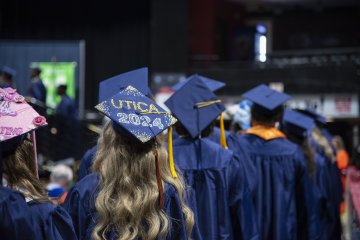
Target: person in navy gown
{"points": [[7, 75], [37, 88], [137, 78], [321, 141], [20, 173], [277, 171], [134, 191], [299, 128], [219, 196]]}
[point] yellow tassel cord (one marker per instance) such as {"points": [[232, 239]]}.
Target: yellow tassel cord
{"points": [[222, 132], [205, 104], [171, 157]]}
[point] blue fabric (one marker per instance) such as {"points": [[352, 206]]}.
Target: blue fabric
{"points": [[219, 194], [184, 105], [280, 186], [15, 222], [212, 84], [297, 123], [32, 220], [51, 222], [215, 136], [80, 203], [137, 78], [329, 180], [266, 97], [86, 163], [67, 108], [37, 90]]}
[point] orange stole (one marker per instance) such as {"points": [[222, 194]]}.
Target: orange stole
{"points": [[266, 133]]}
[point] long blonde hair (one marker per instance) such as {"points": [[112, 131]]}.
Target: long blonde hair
{"points": [[319, 137], [128, 200], [19, 167]]}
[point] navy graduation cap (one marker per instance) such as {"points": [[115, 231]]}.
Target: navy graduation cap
{"points": [[136, 114], [195, 106], [297, 123], [8, 70], [137, 78], [268, 99], [212, 84], [319, 119]]}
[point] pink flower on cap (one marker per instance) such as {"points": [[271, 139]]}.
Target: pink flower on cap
{"points": [[39, 120], [19, 98]]}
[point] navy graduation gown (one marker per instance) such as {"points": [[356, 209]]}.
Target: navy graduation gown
{"points": [[215, 136], [280, 187], [51, 222], [67, 108], [80, 203], [86, 163], [37, 90], [15, 222], [32, 220], [219, 197], [331, 189]]}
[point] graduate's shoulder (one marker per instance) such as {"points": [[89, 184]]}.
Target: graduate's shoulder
{"points": [[88, 183], [9, 194], [218, 155]]}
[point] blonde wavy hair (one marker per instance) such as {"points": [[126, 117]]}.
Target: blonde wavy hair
{"points": [[128, 200], [19, 167], [319, 137]]}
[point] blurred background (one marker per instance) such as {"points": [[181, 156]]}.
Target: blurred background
{"points": [[307, 48]]}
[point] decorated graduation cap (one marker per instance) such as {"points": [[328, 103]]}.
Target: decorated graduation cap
{"points": [[137, 116], [212, 84], [319, 119], [8, 70], [297, 123], [266, 99], [137, 78], [196, 107], [16, 119]]}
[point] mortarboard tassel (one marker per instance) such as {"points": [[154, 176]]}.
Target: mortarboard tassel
{"points": [[171, 157], [33, 139], [159, 180], [222, 132]]}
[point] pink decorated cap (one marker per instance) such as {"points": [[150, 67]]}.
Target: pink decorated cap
{"points": [[17, 117]]}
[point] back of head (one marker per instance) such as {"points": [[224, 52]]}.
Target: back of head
{"points": [[61, 174], [19, 167], [323, 142], [262, 116], [338, 143], [129, 196]]}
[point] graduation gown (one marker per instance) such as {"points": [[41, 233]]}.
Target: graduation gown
{"points": [[80, 203], [16, 223], [329, 185], [32, 220], [215, 136], [51, 222], [280, 186], [86, 163], [219, 194], [67, 108], [37, 90]]}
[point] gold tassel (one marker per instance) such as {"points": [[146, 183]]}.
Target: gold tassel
{"points": [[170, 152], [222, 132]]}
